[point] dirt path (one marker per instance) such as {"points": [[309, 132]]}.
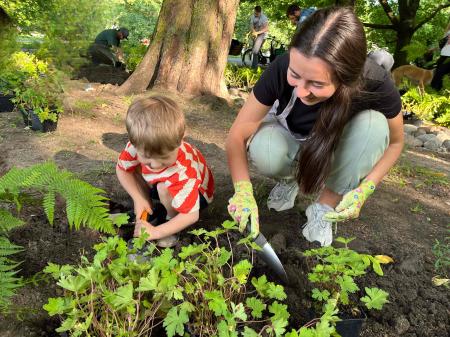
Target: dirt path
{"points": [[408, 212]]}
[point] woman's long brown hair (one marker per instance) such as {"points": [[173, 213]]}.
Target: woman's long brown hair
{"points": [[336, 36]]}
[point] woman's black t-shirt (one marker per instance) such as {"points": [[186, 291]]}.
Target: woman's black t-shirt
{"points": [[379, 93]]}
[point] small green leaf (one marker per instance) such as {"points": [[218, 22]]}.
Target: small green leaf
{"points": [[377, 267], [228, 224], [56, 306], [375, 298], [68, 324], [223, 257], [150, 282], [216, 302], [121, 298], [279, 311], [320, 295], [241, 271], [248, 332], [190, 250], [239, 311], [260, 285], [73, 283], [256, 305], [276, 291], [175, 321]]}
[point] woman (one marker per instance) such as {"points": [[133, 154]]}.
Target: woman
{"points": [[336, 126]]}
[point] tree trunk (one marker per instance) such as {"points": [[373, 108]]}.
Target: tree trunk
{"points": [[406, 26], [188, 50]]}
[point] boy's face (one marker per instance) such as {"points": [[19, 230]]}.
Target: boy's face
{"points": [[159, 162]]}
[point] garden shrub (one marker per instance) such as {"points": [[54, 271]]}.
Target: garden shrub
{"points": [[85, 206], [21, 66], [430, 106], [203, 289], [241, 77]]}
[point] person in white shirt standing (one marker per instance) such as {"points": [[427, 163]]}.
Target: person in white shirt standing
{"points": [[443, 64], [259, 27]]}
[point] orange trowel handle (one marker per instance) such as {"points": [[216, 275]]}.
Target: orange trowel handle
{"points": [[144, 215]]}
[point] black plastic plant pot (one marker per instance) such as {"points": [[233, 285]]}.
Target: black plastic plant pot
{"points": [[32, 120], [6, 105], [350, 327]]}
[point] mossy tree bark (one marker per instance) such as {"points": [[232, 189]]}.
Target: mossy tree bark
{"points": [[188, 50]]}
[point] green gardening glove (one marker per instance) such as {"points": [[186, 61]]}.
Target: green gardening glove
{"points": [[243, 208], [351, 203]]}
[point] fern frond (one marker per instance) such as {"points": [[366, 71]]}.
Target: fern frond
{"points": [[85, 204], [8, 281], [8, 248], [49, 205], [8, 221]]}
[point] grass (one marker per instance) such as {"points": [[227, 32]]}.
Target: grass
{"points": [[417, 208], [405, 173], [441, 251], [86, 107]]}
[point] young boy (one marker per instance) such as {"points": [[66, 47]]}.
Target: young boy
{"points": [[157, 162]]}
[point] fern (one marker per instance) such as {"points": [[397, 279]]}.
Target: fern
{"points": [[85, 206], [8, 222]]}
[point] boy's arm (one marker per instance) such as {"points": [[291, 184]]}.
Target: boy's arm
{"points": [[136, 190], [174, 225]]}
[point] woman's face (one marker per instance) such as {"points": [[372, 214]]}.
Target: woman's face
{"points": [[311, 77]]}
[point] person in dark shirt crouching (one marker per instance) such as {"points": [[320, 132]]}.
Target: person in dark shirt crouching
{"points": [[322, 118]]}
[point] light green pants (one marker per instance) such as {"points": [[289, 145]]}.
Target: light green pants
{"points": [[273, 150]]}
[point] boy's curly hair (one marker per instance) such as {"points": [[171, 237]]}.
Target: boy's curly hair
{"points": [[155, 125]]}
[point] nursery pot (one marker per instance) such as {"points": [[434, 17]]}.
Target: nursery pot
{"points": [[5, 103], [350, 327], [32, 120]]}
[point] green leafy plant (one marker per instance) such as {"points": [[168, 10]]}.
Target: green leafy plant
{"points": [[113, 295], [42, 96], [20, 67], [202, 289], [221, 302], [241, 77], [429, 106], [334, 271], [85, 206], [441, 251]]}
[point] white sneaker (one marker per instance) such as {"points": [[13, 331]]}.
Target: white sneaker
{"points": [[317, 229], [168, 241], [282, 196]]}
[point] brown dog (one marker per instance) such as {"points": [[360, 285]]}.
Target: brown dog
{"points": [[418, 75]]}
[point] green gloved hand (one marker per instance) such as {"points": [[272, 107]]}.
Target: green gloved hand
{"points": [[243, 208], [351, 203]]}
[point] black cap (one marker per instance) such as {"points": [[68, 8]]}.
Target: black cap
{"points": [[124, 32]]}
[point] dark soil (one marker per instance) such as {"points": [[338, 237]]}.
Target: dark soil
{"points": [[102, 73], [402, 219]]}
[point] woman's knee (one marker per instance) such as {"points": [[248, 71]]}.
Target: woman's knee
{"points": [[272, 150], [362, 144]]}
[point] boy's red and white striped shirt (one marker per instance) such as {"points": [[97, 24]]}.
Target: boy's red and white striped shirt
{"points": [[185, 179]]}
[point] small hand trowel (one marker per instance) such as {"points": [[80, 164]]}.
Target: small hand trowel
{"points": [[270, 257]]}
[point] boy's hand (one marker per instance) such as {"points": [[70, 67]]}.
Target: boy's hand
{"points": [[243, 208], [149, 229], [142, 205]]}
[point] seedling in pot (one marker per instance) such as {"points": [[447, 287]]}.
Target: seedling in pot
{"points": [[334, 270]]}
